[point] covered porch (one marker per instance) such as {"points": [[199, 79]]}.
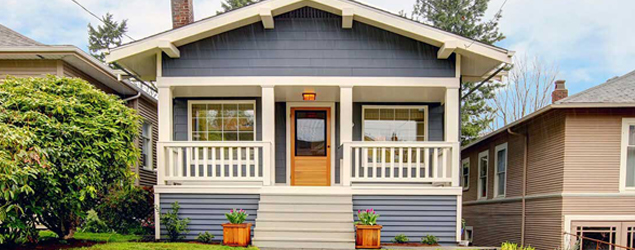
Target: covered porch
{"points": [[258, 132]]}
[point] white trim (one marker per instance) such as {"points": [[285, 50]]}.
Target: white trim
{"points": [[333, 81], [498, 148], [424, 107], [459, 215], [569, 219], [267, 18], [345, 190], [189, 113], [157, 216], [150, 156], [626, 123], [478, 175], [466, 185], [169, 49], [288, 135]]}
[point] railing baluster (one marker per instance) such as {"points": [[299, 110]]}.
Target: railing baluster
{"points": [[426, 162], [383, 162], [195, 171], [231, 162], [400, 170], [188, 157], [248, 160], [418, 164], [257, 162], [205, 149], [240, 162], [444, 162], [222, 161], [374, 168], [170, 172], [435, 161], [392, 162], [179, 156], [357, 156], [409, 173], [365, 162], [213, 161]]}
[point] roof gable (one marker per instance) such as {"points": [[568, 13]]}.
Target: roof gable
{"points": [[478, 58]]}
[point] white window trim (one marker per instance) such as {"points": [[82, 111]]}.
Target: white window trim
{"points": [[189, 112], [424, 107], [496, 180], [480, 186], [466, 186], [626, 123], [149, 166]]}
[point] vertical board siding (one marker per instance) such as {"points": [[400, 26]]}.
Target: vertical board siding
{"points": [[414, 216], [281, 142], [436, 116], [207, 211], [308, 42], [593, 146]]}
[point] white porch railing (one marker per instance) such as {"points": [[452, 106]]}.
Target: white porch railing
{"points": [[215, 161], [399, 162]]}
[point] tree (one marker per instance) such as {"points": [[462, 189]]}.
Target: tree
{"points": [[465, 18], [106, 36], [527, 89], [79, 141], [235, 4]]}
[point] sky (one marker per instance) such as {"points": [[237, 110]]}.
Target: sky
{"points": [[589, 40]]}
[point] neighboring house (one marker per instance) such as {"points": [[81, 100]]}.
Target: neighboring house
{"points": [[21, 56], [568, 167], [303, 112]]}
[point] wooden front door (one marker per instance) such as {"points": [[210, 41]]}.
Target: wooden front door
{"points": [[310, 146]]}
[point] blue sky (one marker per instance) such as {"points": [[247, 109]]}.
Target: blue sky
{"points": [[590, 40]]}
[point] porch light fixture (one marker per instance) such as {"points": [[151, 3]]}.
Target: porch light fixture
{"points": [[308, 96]]}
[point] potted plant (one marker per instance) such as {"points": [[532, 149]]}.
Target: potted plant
{"points": [[236, 233], [368, 233]]}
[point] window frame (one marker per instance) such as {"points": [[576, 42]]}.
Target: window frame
{"points": [[499, 148], [468, 236], [150, 155], [480, 167], [626, 124], [466, 184], [426, 115], [189, 114]]}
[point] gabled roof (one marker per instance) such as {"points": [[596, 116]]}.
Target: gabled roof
{"points": [[615, 90], [9, 37], [618, 92], [478, 58]]}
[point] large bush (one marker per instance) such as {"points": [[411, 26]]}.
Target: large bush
{"points": [[62, 142], [129, 210]]}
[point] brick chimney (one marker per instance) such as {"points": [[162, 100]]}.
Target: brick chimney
{"points": [[182, 13], [560, 92]]}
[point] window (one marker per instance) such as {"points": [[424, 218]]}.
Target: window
{"points": [[146, 145], [222, 120], [627, 169], [465, 172], [482, 174], [500, 179], [468, 234], [395, 123]]}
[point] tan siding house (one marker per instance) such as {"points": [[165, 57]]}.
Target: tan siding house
{"points": [[21, 56], [567, 170]]}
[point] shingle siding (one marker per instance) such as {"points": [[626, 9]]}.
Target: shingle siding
{"points": [[308, 42]]}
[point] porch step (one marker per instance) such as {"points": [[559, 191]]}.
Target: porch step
{"points": [[314, 221]]}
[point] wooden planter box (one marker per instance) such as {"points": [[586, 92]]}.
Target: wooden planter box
{"points": [[236, 235], [368, 236]]}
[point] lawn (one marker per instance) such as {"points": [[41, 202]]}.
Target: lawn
{"points": [[160, 246], [97, 237]]}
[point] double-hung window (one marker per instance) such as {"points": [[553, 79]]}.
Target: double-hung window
{"points": [[483, 162], [395, 123], [465, 173], [146, 145], [226, 120], [627, 168], [500, 163]]}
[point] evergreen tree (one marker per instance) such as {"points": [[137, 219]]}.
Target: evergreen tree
{"points": [[465, 18], [106, 36], [235, 4]]}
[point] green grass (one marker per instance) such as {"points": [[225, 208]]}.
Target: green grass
{"points": [[98, 237], [160, 246]]}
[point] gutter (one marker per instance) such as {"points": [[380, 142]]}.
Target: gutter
{"points": [[133, 97]]}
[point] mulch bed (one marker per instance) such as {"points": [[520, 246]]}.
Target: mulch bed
{"points": [[409, 245], [54, 244]]}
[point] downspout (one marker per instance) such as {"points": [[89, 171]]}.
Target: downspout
{"points": [[524, 194], [133, 97]]}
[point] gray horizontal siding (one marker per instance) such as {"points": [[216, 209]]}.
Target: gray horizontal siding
{"points": [[207, 211], [414, 216], [436, 113], [308, 42]]}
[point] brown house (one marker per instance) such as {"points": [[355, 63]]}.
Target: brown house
{"points": [[21, 56], [566, 168]]}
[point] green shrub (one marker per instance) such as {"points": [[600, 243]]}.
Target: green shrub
{"points": [[430, 240], [62, 142], [367, 217], [92, 224], [173, 224], [236, 216], [205, 237], [401, 238], [129, 210], [513, 246]]}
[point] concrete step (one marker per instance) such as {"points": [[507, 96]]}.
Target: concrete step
{"points": [[306, 223], [300, 243], [299, 215], [305, 206], [316, 234], [294, 198]]}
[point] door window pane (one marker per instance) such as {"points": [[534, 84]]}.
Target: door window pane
{"points": [[310, 133], [394, 124]]}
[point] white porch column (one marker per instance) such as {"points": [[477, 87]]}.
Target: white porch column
{"points": [[165, 129], [346, 131], [268, 132], [451, 129]]}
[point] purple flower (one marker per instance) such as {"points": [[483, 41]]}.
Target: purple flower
{"points": [[359, 211], [231, 211]]}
